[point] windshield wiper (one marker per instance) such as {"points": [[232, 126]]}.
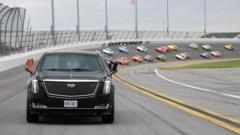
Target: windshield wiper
{"points": [[56, 69], [74, 69], [80, 69]]}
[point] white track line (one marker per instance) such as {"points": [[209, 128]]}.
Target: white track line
{"points": [[194, 87]]}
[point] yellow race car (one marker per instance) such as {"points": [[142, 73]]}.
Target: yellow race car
{"points": [[172, 47], [216, 54], [228, 46]]}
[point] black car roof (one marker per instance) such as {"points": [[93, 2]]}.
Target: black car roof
{"points": [[79, 52]]}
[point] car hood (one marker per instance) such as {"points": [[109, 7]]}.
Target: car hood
{"points": [[72, 76]]}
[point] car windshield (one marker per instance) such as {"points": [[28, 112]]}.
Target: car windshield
{"points": [[71, 62]]}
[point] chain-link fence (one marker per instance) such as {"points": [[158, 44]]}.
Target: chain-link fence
{"points": [[11, 29], [38, 39], [32, 40]]}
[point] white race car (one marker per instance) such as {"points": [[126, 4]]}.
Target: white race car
{"points": [[108, 51], [142, 48], [183, 56]]}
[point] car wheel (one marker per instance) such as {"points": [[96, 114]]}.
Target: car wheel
{"points": [[108, 118], [31, 118]]}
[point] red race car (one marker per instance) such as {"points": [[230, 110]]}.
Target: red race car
{"points": [[137, 58], [162, 49], [122, 61]]}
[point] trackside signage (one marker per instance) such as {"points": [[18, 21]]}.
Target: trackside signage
{"points": [[125, 43]]}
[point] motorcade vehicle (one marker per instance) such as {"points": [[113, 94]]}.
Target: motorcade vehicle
{"points": [[71, 83]]}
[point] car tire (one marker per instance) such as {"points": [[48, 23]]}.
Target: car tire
{"points": [[108, 119], [31, 118]]}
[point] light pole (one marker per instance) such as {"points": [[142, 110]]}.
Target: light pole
{"points": [[167, 18], [164, 27], [53, 25], [78, 20], [205, 17], [136, 18], [106, 19]]}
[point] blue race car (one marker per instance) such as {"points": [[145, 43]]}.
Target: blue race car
{"points": [[205, 55], [123, 49]]}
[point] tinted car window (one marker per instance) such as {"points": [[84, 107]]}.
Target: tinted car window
{"points": [[73, 62]]}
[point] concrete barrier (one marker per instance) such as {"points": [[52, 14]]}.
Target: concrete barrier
{"points": [[11, 61]]}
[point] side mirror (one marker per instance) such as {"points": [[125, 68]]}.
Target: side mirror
{"points": [[29, 66], [114, 66], [109, 63]]}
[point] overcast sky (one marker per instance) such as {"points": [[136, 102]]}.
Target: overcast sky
{"points": [[185, 15]]}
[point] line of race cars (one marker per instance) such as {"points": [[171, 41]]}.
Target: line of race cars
{"points": [[208, 52]]}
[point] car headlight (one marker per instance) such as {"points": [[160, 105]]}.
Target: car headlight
{"points": [[34, 86], [107, 86]]}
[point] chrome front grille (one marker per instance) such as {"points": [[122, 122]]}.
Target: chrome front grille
{"points": [[71, 88]]}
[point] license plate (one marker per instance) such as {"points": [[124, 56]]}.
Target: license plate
{"points": [[70, 103]]}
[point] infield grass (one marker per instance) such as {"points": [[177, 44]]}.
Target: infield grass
{"points": [[208, 65], [223, 64]]}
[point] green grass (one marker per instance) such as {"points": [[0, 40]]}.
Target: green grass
{"points": [[222, 64]]}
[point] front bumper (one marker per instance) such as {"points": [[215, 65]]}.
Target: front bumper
{"points": [[99, 105]]}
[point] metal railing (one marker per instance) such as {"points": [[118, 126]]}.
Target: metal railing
{"points": [[32, 40], [39, 39]]}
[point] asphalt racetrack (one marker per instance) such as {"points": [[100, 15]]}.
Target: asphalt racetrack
{"points": [[195, 53], [136, 113]]}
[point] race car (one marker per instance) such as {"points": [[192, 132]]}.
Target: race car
{"points": [[141, 48], [148, 58], [172, 47], [183, 56], [108, 51], [161, 57], [216, 54], [186, 54], [205, 55], [122, 61], [207, 47], [193, 46], [162, 49], [228, 47], [123, 49], [137, 58]]}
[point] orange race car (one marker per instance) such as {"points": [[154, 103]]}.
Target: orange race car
{"points": [[122, 61], [172, 47], [137, 58]]}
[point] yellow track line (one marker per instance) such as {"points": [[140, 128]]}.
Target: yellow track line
{"points": [[181, 105]]}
